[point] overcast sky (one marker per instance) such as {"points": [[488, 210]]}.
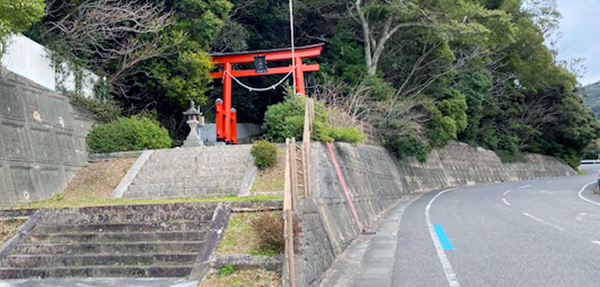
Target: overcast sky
{"points": [[580, 27]]}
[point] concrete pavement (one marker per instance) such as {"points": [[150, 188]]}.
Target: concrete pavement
{"points": [[533, 233], [101, 282]]}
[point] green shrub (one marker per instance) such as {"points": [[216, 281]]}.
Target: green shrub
{"points": [[347, 134], [265, 154], [128, 134], [268, 226], [286, 120]]}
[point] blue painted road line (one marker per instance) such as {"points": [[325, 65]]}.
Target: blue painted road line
{"points": [[442, 237]]}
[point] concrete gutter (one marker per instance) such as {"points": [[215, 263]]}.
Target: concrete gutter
{"points": [[217, 228], [131, 174]]}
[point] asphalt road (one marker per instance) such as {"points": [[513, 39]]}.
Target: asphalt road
{"points": [[532, 233]]}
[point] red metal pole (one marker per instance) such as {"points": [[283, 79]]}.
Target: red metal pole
{"points": [[233, 126], [338, 170], [219, 119], [300, 89], [227, 100]]}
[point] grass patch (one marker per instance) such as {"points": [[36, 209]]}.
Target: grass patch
{"points": [[241, 238], [8, 228], [238, 237], [272, 178], [583, 172], [247, 278], [53, 202]]}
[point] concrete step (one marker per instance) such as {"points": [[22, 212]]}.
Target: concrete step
{"points": [[189, 187], [195, 180], [171, 207], [107, 247], [97, 271], [117, 237], [198, 158], [202, 150], [136, 191], [136, 217], [23, 213], [122, 227], [221, 172], [199, 165], [183, 156], [107, 259]]}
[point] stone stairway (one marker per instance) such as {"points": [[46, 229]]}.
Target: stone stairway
{"points": [[195, 172], [117, 241]]}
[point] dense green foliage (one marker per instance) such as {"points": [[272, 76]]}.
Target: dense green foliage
{"points": [[264, 153], [420, 72], [591, 94], [103, 110], [471, 70], [17, 15], [127, 134], [286, 120], [158, 62]]}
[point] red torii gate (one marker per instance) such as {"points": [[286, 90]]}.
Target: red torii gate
{"points": [[226, 118]]}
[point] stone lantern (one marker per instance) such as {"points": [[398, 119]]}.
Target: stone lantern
{"points": [[195, 120]]}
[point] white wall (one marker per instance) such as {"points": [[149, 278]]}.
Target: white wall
{"points": [[208, 133], [31, 60]]}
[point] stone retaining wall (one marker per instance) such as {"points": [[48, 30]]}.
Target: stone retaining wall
{"points": [[378, 182], [42, 141]]}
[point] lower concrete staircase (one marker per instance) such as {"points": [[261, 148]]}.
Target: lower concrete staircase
{"points": [[117, 241], [195, 172]]}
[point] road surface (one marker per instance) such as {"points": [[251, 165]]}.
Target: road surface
{"points": [[534, 233]]}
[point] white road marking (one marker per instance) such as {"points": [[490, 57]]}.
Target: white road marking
{"points": [[525, 186], [542, 221], [553, 181], [581, 194], [505, 202], [450, 275], [596, 242], [581, 216], [506, 192]]}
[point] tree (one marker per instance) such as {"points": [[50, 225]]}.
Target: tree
{"points": [[17, 15], [111, 37], [154, 52]]}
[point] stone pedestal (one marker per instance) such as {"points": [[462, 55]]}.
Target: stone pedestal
{"points": [[193, 139]]}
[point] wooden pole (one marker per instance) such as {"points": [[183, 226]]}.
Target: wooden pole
{"points": [[306, 137], [288, 218], [293, 172]]}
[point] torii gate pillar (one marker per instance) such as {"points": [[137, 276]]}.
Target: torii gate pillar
{"points": [[225, 121]]}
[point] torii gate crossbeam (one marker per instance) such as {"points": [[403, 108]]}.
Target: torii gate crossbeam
{"points": [[226, 117]]}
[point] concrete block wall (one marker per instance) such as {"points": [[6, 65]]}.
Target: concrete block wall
{"points": [[42, 141], [378, 182]]}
